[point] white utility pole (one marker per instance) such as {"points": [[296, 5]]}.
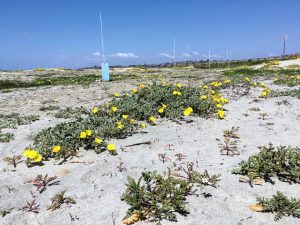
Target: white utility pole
{"points": [[102, 41]]}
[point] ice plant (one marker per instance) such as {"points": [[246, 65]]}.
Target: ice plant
{"points": [[187, 111], [111, 147], [221, 114], [56, 149]]}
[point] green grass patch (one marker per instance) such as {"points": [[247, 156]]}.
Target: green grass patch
{"points": [[67, 80], [292, 93]]}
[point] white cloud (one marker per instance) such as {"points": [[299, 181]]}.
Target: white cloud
{"points": [[166, 55], [186, 55], [96, 54], [124, 55]]}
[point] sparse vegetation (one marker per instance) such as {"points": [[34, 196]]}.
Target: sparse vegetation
{"points": [[279, 204], [157, 197], [282, 163], [59, 199]]}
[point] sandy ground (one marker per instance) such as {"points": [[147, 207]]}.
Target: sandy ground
{"points": [[97, 184]]}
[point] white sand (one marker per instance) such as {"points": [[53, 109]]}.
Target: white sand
{"points": [[97, 185]]}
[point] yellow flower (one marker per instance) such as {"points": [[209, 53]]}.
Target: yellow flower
{"points": [[254, 84], [124, 116], [219, 106], [116, 95], [89, 132], [221, 114], [111, 147], [114, 109], [178, 85], [247, 79], [263, 94], [38, 158], [83, 134], [187, 111], [134, 90], [205, 87], [177, 93], [143, 125], [263, 85], [27, 152], [56, 148], [224, 100], [164, 106], [95, 110], [161, 110], [203, 97], [131, 121], [142, 85], [152, 119], [212, 92], [98, 140], [120, 125]]}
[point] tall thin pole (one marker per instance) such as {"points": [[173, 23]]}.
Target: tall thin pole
{"points": [[208, 58], [174, 49], [284, 43], [102, 41]]}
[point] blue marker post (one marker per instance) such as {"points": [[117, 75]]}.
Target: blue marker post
{"points": [[105, 71]]}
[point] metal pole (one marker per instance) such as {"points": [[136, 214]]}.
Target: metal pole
{"points": [[102, 41]]}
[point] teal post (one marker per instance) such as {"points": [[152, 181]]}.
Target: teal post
{"points": [[105, 71]]}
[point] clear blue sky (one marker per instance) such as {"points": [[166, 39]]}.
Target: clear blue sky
{"points": [[66, 33]]}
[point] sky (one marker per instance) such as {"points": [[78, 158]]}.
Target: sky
{"points": [[61, 33]]}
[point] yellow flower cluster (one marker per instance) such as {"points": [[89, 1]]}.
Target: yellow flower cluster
{"points": [[178, 93], [265, 92], [120, 125], [33, 155], [221, 114], [85, 134]]}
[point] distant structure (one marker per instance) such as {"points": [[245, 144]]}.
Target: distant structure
{"points": [[284, 43]]}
